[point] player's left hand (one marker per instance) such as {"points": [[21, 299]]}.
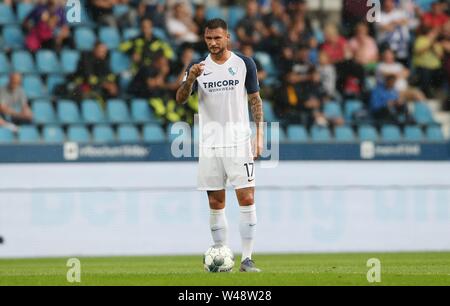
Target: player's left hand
{"points": [[258, 146]]}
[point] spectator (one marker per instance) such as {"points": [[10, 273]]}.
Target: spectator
{"points": [[250, 29], [351, 78], [93, 78], [276, 23], [102, 12], [14, 103], [364, 47], [328, 75], [143, 48], [153, 10], [298, 10], [428, 53], [393, 31], [353, 12], [152, 82], [200, 18], [248, 51], [301, 101], [180, 25], [297, 36], [437, 17], [389, 66], [386, 105], [334, 45], [46, 27], [446, 60]]}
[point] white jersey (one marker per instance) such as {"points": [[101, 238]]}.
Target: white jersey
{"points": [[223, 102]]}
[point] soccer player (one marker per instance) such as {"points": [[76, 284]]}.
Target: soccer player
{"points": [[226, 83]]}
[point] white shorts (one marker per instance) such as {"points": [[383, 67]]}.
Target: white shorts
{"points": [[217, 165]]}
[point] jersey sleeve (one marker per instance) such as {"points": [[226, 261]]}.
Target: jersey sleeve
{"points": [[251, 79], [195, 87]]}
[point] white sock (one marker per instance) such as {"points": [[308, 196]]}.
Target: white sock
{"points": [[219, 226], [247, 228]]}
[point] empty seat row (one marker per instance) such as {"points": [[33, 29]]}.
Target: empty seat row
{"points": [[388, 133], [47, 61], [117, 111], [79, 133]]}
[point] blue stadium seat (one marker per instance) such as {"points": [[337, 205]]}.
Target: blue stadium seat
{"points": [[28, 134], [13, 37], [297, 133], [117, 111], [320, 133], [23, 62], [269, 115], [92, 112], [214, 12], [43, 112], [68, 112], [6, 14], [4, 79], [103, 133], [422, 113], [47, 62], [391, 133], [53, 134], [119, 62], [235, 14], [110, 37], [332, 110], [128, 133], [434, 133], [274, 131], [23, 10], [6, 136], [78, 133], [161, 34], [367, 133], [85, 39], [120, 9], [154, 133], [130, 33], [351, 107], [33, 87], [344, 134], [54, 80], [69, 60], [5, 68], [141, 111], [413, 133], [266, 61]]}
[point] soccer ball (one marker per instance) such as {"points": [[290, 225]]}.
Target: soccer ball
{"points": [[218, 258]]}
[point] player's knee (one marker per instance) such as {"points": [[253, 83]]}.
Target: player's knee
{"points": [[216, 204], [247, 200]]}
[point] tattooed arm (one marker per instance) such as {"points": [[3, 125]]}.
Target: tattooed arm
{"points": [[185, 89], [256, 107]]}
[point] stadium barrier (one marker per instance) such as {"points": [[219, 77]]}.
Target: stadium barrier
{"points": [[153, 208], [74, 152]]}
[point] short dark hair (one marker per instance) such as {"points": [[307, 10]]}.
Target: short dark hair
{"points": [[216, 23]]}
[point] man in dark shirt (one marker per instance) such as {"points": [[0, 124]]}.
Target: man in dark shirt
{"points": [[250, 29], [143, 48], [94, 78]]}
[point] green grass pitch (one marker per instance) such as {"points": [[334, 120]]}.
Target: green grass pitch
{"points": [[293, 270]]}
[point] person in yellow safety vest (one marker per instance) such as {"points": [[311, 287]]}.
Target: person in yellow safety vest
{"points": [[143, 48]]}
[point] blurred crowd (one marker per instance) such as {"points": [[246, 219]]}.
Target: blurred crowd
{"points": [[402, 58]]}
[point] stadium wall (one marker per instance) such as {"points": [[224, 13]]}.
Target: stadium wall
{"points": [[73, 152], [153, 208]]}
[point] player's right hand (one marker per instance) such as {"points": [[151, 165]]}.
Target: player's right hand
{"points": [[196, 71]]}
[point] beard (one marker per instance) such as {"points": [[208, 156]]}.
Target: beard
{"points": [[217, 51]]}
